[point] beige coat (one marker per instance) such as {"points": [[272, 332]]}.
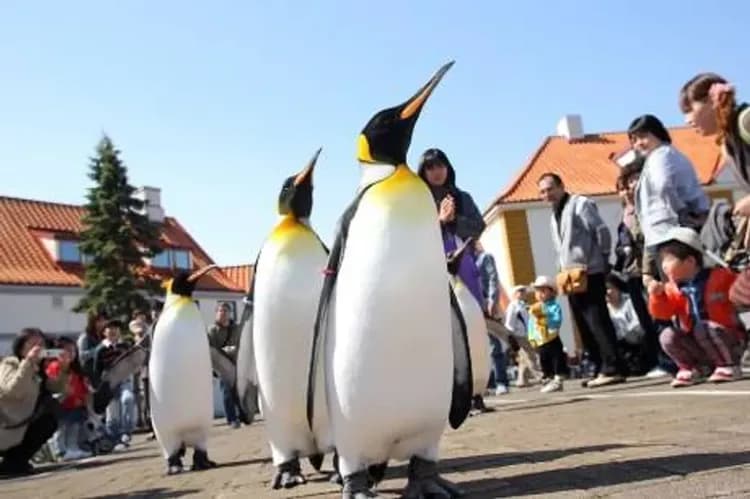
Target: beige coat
{"points": [[19, 390]]}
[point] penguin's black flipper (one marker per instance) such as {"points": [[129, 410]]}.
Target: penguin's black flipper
{"points": [[245, 385], [462, 375], [336, 255]]}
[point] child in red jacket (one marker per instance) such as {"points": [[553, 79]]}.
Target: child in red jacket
{"points": [[74, 410], [707, 331]]}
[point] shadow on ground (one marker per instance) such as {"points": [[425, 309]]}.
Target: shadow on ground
{"points": [[158, 493], [600, 475], [490, 461]]}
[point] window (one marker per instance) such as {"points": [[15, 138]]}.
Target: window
{"points": [[172, 259], [57, 301], [161, 260], [181, 259], [68, 251]]}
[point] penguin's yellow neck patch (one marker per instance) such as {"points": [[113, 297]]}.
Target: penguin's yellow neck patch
{"points": [[406, 192], [286, 227]]}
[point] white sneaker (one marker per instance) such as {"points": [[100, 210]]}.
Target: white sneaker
{"points": [[556, 385], [657, 372], [125, 438], [501, 390], [119, 447]]}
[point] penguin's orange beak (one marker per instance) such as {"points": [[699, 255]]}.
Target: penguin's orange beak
{"points": [[201, 272], [306, 174]]}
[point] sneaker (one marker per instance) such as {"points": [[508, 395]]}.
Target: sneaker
{"points": [[605, 380], [235, 424], [125, 438], [684, 377], [722, 374], [120, 447], [556, 385], [501, 390], [657, 372]]}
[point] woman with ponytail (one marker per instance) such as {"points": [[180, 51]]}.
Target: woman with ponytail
{"points": [[709, 104]]}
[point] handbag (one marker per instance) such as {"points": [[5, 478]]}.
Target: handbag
{"points": [[572, 281]]}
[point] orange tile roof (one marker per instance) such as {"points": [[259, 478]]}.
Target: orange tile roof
{"points": [[586, 168], [24, 260], [241, 275]]}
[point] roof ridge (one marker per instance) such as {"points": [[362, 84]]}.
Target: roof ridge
{"points": [[519, 177]]}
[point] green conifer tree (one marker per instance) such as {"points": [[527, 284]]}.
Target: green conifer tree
{"points": [[117, 235]]}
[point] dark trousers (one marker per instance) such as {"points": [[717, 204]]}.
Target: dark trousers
{"points": [[498, 369], [553, 359], [595, 326], [651, 346], [230, 410], [37, 433]]}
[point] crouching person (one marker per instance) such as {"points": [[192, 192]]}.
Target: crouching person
{"points": [[707, 334], [27, 409]]}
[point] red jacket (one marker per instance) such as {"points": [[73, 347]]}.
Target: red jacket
{"points": [[76, 392], [716, 303]]}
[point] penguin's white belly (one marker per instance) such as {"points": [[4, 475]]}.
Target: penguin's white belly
{"points": [[287, 288], [476, 330], [180, 375], [389, 352]]}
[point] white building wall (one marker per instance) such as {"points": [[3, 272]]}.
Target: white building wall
{"points": [[492, 240]]}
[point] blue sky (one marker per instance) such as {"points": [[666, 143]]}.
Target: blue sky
{"points": [[217, 104]]}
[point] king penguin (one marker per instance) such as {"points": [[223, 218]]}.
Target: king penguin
{"points": [[386, 320], [180, 380], [476, 328], [287, 285]]}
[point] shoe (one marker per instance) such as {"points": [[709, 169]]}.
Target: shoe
{"points": [[120, 447], [125, 438], [10, 470], [722, 374], [235, 424], [522, 384], [605, 380], [656, 372], [556, 385], [501, 390], [684, 377]]}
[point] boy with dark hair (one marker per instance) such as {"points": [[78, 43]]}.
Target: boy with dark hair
{"points": [[707, 332]]}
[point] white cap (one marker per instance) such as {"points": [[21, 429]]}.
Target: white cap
{"points": [[543, 281], [684, 235]]}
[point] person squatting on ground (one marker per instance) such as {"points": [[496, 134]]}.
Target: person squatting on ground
{"points": [[28, 417], [517, 322], [707, 332]]}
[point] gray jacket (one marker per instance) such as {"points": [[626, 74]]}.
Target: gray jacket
{"points": [[668, 194], [582, 239]]}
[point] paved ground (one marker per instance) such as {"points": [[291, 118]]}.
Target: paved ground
{"points": [[641, 439]]}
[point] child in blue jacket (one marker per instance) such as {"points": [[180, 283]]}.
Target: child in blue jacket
{"points": [[544, 334]]}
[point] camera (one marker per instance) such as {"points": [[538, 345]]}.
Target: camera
{"points": [[51, 353]]}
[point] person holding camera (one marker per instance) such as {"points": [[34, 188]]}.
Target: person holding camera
{"points": [[28, 412]]}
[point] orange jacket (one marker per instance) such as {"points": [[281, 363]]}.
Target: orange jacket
{"points": [[716, 302]]}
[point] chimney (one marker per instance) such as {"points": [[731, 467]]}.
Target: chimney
{"points": [[151, 197], [570, 127]]}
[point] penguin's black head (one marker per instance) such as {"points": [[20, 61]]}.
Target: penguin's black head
{"points": [[183, 284], [296, 193], [454, 257], [387, 136]]}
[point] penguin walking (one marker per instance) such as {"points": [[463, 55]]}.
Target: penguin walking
{"points": [[476, 329], [386, 321], [180, 378], [287, 284]]}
